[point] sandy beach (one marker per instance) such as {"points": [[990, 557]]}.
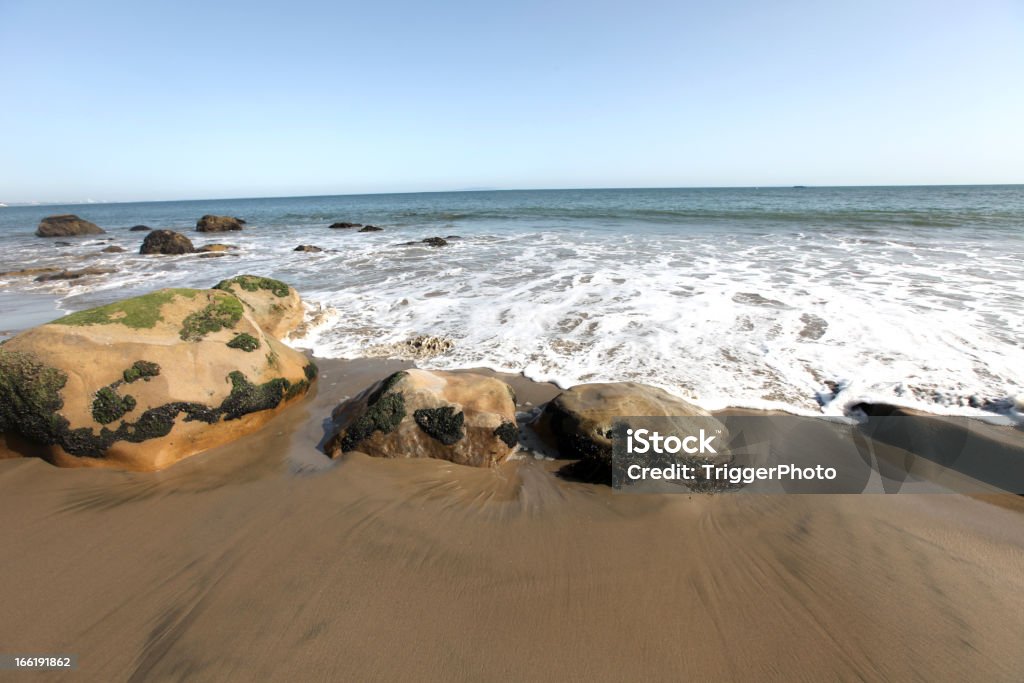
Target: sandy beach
{"points": [[264, 560]]}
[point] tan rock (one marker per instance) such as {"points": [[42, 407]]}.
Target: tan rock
{"points": [[276, 307], [579, 421], [464, 418], [168, 375]]}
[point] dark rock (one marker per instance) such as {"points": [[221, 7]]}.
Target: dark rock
{"points": [[113, 249], [62, 244], [308, 248], [209, 223], [345, 225], [166, 242], [435, 242], [67, 225], [371, 228], [139, 228]]}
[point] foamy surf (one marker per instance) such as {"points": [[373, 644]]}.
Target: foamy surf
{"points": [[748, 300]]}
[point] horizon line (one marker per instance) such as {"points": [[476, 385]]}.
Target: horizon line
{"points": [[482, 190]]}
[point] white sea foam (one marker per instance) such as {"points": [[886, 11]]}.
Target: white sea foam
{"points": [[756, 318]]}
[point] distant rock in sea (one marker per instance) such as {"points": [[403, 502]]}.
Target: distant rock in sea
{"points": [[210, 223], [430, 242], [113, 249], [139, 228], [166, 242], [343, 225], [309, 248], [370, 228], [464, 418], [67, 225], [136, 404]]}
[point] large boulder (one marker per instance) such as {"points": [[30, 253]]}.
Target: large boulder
{"points": [[166, 242], [169, 374], [275, 306], [579, 421], [464, 418], [67, 225], [210, 223]]}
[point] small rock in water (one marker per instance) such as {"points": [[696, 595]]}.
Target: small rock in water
{"points": [[371, 228], [113, 249], [166, 242], [308, 248], [139, 228], [343, 225]]}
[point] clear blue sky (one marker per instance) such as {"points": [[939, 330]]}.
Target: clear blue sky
{"points": [[166, 100]]}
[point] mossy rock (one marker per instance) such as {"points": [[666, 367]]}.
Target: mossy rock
{"points": [[189, 390], [460, 417]]}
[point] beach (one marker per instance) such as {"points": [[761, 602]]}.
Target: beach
{"points": [[265, 560]]}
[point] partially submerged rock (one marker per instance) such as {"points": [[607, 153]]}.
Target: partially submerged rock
{"points": [[163, 381], [30, 271], [430, 242], [344, 225], [113, 249], [370, 228], [308, 248], [210, 223], [215, 248], [67, 225], [166, 242], [276, 307], [579, 421], [420, 347], [74, 274], [465, 418], [139, 228]]}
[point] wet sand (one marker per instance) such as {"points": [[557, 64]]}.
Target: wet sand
{"points": [[263, 560]]}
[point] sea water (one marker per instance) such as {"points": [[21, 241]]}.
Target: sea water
{"points": [[804, 299]]}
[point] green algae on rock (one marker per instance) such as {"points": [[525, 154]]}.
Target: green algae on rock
{"points": [[141, 369], [223, 313], [460, 417], [141, 312], [253, 283], [170, 347], [276, 307], [245, 342]]}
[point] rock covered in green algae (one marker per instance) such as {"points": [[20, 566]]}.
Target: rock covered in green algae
{"points": [[465, 418], [162, 382]]}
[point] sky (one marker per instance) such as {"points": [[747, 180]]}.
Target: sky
{"points": [[128, 101]]}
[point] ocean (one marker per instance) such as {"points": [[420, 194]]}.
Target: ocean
{"points": [[808, 300]]}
